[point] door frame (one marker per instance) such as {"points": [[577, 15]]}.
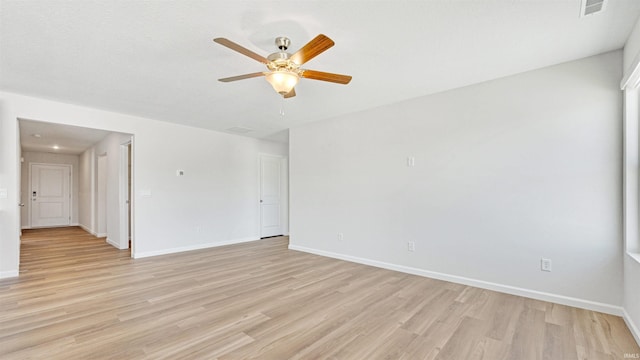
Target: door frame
{"points": [[30, 202], [126, 215]]}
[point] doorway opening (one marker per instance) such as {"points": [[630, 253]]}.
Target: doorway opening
{"points": [[71, 176]]}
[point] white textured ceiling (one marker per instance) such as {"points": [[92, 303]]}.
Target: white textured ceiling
{"points": [[157, 59], [58, 139]]}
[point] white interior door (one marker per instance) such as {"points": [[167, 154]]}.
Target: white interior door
{"points": [[50, 195], [270, 207]]}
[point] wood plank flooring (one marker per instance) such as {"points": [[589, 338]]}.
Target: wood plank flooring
{"points": [[79, 298]]}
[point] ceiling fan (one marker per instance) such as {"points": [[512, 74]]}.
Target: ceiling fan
{"points": [[284, 68]]}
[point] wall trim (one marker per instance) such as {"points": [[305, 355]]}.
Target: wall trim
{"points": [[534, 294], [9, 274], [144, 254], [635, 331]]}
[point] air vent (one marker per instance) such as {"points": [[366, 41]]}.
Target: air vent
{"points": [[591, 7], [239, 130]]}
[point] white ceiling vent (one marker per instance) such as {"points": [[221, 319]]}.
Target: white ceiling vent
{"points": [[590, 7], [239, 130]]}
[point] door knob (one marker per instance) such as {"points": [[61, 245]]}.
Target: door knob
{"points": [[21, 204]]}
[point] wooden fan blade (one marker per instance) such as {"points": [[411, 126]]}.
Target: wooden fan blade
{"points": [[313, 48], [241, 77], [325, 76], [242, 50], [291, 94]]}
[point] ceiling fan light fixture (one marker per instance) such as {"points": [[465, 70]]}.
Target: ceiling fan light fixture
{"points": [[283, 81], [284, 70]]}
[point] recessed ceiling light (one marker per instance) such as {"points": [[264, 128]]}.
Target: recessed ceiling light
{"points": [[36, 136], [56, 147]]}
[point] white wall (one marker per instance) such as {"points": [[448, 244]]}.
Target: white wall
{"points": [[631, 48], [10, 181], [631, 293], [274, 148], [110, 147], [216, 202], [48, 158], [100, 196], [85, 190], [506, 172]]}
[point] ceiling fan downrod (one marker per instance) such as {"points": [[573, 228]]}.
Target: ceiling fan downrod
{"points": [[283, 43]]}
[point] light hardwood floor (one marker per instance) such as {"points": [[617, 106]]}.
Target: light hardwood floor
{"points": [[79, 298]]}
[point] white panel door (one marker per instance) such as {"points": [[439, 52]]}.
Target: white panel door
{"points": [[50, 195], [270, 196]]}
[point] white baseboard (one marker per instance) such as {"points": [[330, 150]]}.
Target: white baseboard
{"points": [[27, 227], [534, 294], [139, 255], [90, 231], [114, 244], [86, 228], [635, 331], [9, 274]]}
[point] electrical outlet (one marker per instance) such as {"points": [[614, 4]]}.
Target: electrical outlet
{"points": [[340, 236], [545, 264], [411, 246]]}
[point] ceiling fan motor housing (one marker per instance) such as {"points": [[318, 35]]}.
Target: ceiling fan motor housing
{"points": [[281, 60]]}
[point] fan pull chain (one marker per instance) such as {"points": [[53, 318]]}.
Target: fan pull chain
{"points": [[282, 107]]}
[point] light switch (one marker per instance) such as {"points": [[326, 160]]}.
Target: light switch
{"points": [[3, 193], [146, 193]]}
